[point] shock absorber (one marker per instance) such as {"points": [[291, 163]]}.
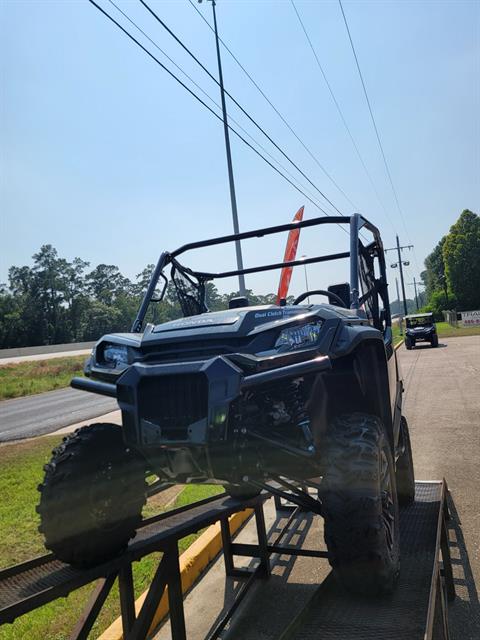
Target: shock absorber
{"points": [[296, 405]]}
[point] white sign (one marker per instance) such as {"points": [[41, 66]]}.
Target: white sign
{"points": [[470, 318]]}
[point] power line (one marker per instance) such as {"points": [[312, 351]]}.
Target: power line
{"points": [[204, 104], [372, 116], [340, 112], [376, 132], [279, 114], [186, 75], [192, 55]]}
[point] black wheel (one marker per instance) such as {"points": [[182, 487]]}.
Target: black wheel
{"points": [[242, 491], [92, 496], [405, 476], [408, 343], [360, 508], [434, 341]]}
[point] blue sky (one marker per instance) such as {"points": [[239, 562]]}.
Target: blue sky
{"points": [[106, 158]]}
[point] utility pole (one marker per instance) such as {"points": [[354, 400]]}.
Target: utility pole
{"points": [[233, 198], [414, 283], [400, 264], [398, 298], [398, 292]]}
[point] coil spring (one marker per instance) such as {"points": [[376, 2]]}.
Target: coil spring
{"points": [[295, 403]]}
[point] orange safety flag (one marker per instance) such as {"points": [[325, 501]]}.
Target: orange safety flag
{"points": [[290, 253]]}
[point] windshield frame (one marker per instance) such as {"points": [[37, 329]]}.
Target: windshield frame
{"points": [[421, 321]]}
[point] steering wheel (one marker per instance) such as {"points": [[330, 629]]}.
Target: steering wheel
{"points": [[320, 292]]}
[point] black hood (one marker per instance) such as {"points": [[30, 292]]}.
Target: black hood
{"points": [[242, 324], [239, 323]]}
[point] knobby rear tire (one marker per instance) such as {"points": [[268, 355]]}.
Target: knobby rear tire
{"points": [[360, 507]]}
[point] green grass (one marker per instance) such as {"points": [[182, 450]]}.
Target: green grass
{"points": [[447, 331], [21, 471], [26, 378], [397, 336]]}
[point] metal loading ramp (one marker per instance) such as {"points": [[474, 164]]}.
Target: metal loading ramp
{"points": [[31, 584], [260, 607], [301, 600], [416, 610]]}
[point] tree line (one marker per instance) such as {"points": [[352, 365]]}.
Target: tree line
{"points": [[452, 269], [55, 301]]}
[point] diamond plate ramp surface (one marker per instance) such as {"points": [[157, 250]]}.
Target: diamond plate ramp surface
{"points": [[333, 614]]}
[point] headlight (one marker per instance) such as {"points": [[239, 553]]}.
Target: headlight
{"points": [[300, 337], [114, 356]]}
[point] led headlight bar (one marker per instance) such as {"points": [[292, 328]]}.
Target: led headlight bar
{"points": [[299, 337], [114, 356]]}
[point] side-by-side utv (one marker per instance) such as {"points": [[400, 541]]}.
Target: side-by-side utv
{"points": [[420, 327], [282, 398]]}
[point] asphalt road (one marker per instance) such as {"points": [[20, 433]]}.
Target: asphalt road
{"points": [[442, 406], [43, 356], [47, 412], [18, 354]]}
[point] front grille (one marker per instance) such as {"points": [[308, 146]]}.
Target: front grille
{"points": [[174, 402], [194, 350]]}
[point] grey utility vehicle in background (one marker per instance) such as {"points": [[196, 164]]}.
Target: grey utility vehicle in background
{"points": [[292, 399], [420, 327]]}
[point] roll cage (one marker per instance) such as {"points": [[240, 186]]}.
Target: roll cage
{"points": [[419, 320], [367, 290]]}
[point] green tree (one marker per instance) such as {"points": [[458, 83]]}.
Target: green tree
{"points": [[10, 319], [75, 295], [101, 318], [105, 283], [461, 255], [143, 280], [438, 303], [434, 274], [49, 288], [20, 318], [215, 301]]}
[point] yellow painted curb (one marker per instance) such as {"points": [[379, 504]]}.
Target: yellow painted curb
{"points": [[192, 562], [397, 346]]}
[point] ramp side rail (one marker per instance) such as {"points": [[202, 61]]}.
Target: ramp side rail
{"points": [[36, 582], [31, 584]]}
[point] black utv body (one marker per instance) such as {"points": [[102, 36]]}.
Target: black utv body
{"points": [[420, 327], [276, 398]]}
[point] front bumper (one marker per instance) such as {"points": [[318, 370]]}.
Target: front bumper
{"points": [[425, 336], [187, 404]]}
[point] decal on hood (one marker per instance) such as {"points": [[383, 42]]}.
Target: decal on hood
{"points": [[275, 314], [196, 321]]}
